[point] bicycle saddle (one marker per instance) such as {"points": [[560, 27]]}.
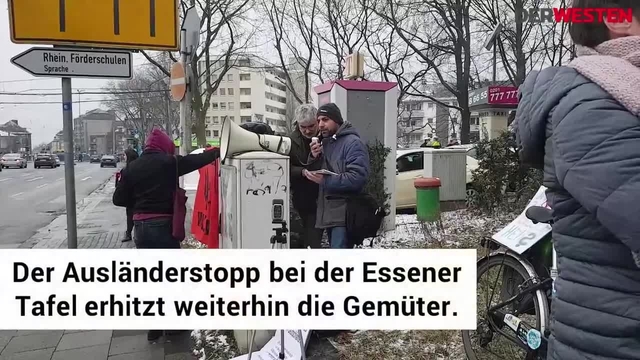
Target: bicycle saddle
{"points": [[539, 214]]}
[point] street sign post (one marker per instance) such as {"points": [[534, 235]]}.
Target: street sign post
{"points": [[79, 63], [134, 24], [120, 24]]}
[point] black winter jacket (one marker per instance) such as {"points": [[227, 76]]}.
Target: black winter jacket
{"points": [[589, 147], [148, 184], [304, 191]]}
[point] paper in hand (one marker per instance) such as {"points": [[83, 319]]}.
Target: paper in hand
{"points": [[324, 172]]}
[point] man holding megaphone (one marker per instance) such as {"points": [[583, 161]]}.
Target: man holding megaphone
{"points": [[345, 163]]}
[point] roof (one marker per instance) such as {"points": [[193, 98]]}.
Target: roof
{"points": [[355, 85], [12, 126]]}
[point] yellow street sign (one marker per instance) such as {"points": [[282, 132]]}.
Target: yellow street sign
{"points": [[132, 24]]}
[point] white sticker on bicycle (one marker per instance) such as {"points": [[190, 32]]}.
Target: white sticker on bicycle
{"points": [[521, 234]]}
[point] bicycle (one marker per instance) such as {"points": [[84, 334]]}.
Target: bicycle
{"points": [[521, 315]]}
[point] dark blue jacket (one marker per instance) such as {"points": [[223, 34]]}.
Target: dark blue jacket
{"points": [[589, 147], [347, 155]]}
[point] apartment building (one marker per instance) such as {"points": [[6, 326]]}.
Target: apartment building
{"points": [[421, 118], [14, 138], [93, 132], [252, 91]]}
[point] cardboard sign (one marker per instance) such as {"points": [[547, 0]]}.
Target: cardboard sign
{"points": [[521, 234], [271, 350], [204, 224]]}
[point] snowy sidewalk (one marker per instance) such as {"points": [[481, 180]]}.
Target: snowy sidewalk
{"points": [[91, 345], [101, 225]]}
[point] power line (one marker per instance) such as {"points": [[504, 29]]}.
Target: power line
{"points": [[88, 93], [18, 81], [74, 102]]}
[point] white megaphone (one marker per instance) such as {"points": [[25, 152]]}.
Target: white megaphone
{"points": [[236, 140]]}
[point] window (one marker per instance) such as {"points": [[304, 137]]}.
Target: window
{"points": [[230, 91], [215, 92], [207, 133], [430, 106], [230, 106], [222, 92], [245, 105], [245, 119], [214, 106], [232, 118], [245, 77], [216, 120], [429, 120], [416, 106], [245, 91], [229, 77], [223, 106], [207, 119], [216, 133], [410, 162]]}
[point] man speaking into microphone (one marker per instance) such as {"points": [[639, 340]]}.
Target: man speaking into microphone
{"points": [[346, 158]]}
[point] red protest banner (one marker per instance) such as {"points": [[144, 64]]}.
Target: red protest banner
{"points": [[204, 224]]}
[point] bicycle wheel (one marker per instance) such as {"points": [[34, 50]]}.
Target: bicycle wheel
{"points": [[486, 342]]}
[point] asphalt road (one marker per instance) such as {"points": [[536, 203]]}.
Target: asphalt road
{"points": [[31, 198]]}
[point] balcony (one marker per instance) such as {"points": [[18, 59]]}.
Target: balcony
{"points": [[412, 113]]}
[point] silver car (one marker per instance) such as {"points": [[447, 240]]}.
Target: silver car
{"points": [[13, 161]]}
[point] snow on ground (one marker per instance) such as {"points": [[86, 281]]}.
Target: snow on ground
{"points": [[456, 229], [213, 344]]}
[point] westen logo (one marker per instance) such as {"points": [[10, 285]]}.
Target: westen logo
{"points": [[576, 15]]}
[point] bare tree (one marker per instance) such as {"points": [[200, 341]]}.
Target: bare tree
{"points": [[438, 31], [392, 61], [520, 44], [341, 24], [226, 26], [292, 23], [141, 102], [557, 44]]}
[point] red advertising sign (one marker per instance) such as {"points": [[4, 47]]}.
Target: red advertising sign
{"points": [[503, 95], [205, 221]]}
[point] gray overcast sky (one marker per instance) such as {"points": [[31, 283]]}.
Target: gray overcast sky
{"points": [[43, 120]]}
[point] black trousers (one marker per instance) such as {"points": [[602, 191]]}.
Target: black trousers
{"points": [[129, 221], [311, 237]]}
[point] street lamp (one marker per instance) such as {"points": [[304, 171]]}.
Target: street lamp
{"points": [[491, 43]]}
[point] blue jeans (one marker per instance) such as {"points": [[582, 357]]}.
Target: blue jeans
{"points": [[338, 237], [155, 234]]}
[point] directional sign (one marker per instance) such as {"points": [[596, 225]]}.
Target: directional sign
{"points": [[135, 24], [57, 62]]}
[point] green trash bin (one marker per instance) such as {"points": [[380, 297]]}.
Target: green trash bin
{"points": [[427, 198]]}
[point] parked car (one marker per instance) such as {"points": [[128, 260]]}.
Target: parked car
{"points": [[410, 165], [13, 161], [108, 160], [57, 161], [94, 159], [46, 160]]}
